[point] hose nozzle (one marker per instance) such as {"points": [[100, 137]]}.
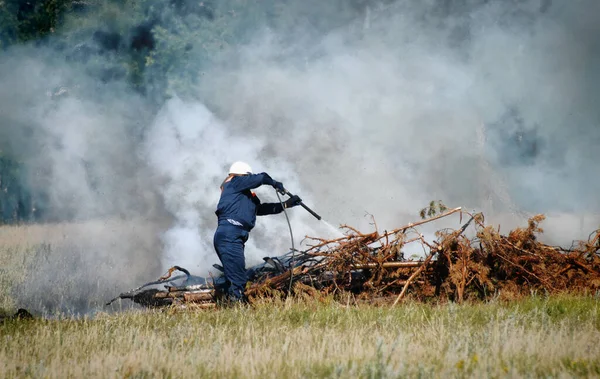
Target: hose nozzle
{"points": [[286, 192]]}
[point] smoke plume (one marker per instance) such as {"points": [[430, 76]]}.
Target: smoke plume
{"points": [[489, 105]]}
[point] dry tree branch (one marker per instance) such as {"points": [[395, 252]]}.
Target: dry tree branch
{"points": [[414, 275], [413, 224]]}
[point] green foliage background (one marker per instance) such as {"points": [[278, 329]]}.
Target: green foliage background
{"points": [[155, 49]]}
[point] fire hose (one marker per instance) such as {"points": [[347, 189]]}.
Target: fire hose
{"points": [[293, 260], [286, 192]]}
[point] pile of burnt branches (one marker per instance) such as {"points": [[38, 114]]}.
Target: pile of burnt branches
{"points": [[472, 262]]}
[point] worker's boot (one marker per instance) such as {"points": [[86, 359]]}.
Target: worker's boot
{"points": [[231, 301]]}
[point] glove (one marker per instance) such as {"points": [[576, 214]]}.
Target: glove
{"points": [[292, 201], [278, 186]]}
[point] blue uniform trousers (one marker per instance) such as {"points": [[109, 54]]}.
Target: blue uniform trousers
{"points": [[229, 242]]}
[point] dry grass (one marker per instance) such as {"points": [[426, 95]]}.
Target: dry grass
{"points": [[73, 267], [100, 231], [554, 337], [537, 336]]}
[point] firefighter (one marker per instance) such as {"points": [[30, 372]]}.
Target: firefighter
{"points": [[236, 213]]}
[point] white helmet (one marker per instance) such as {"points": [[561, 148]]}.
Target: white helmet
{"points": [[240, 168]]}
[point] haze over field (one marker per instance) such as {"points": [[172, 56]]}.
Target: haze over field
{"points": [[363, 107]]}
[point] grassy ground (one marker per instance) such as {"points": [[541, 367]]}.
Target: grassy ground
{"points": [[536, 337], [78, 267], [75, 267]]}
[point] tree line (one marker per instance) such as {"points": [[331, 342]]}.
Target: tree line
{"points": [[155, 48]]}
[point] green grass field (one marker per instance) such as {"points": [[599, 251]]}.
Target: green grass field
{"points": [[53, 266], [537, 337]]}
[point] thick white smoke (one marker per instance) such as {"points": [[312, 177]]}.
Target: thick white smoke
{"points": [[191, 151], [378, 120], [386, 119], [102, 215], [487, 105]]}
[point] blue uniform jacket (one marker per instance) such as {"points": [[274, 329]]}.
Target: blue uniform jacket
{"points": [[238, 205]]}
